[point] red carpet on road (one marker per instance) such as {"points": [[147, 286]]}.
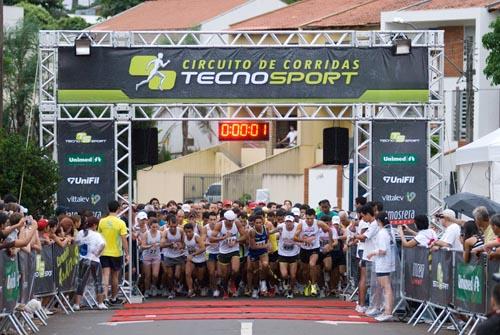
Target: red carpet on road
{"points": [[274, 309]]}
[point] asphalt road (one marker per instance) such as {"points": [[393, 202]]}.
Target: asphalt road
{"points": [[96, 323]]}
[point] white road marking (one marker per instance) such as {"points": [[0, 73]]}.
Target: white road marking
{"points": [[246, 328], [336, 323], [114, 324]]}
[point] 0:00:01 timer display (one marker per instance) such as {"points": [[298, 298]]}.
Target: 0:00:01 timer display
{"points": [[243, 131]]}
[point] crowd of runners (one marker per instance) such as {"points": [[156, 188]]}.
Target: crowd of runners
{"points": [[233, 249]]}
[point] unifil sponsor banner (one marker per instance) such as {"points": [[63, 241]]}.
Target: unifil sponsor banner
{"points": [[399, 168], [66, 261], [470, 284], [85, 152], [10, 282], [237, 74], [44, 275], [416, 273], [441, 281]]}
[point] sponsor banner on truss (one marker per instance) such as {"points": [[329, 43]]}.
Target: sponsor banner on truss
{"points": [[399, 168], [85, 151], [242, 74]]}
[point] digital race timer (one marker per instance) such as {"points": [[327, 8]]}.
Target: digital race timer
{"points": [[243, 131]]}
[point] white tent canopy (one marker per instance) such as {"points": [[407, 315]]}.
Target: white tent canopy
{"points": [[478, 166], [485, 149]]}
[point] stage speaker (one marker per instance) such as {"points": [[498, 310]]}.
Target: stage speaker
{"points": [[145, 146], [336, 146]]}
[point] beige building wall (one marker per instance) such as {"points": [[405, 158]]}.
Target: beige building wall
{"points": [[284, 187], [251, 156], [159, 184]]}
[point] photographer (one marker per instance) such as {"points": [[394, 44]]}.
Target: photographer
{"points": [[7, 240]]}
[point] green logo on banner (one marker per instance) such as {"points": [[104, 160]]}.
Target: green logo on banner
{"points": [[11, 272], [150, 66], [390, 159], [84, 159], [470, 283]]}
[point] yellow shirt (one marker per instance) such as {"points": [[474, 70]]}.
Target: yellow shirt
{"points": [[489, 235], [273, 239], [112, 229]]}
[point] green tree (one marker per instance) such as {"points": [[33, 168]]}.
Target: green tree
{"points": [[40, 173], [290, 1], [113, 7], [491, 42], [71, 23], [55, 7]]}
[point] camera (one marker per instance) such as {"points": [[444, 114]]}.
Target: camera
{"points": [[439, 216]]}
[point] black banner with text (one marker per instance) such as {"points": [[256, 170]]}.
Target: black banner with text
{"points": [[416, 273], [86, 158], [441, 281], [249, 74], [399, 168]]}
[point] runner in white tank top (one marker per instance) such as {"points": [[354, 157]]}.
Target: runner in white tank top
{"points": [[172, 242], [308, 235], [213, 252], [195, 252], [151, 258], [288, 250]]}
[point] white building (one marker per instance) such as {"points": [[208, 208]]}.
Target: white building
{"points": [[12, 15], [459, 24]]}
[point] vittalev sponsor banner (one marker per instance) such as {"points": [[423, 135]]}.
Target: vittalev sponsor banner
{"points": [[86, 164], [66, 261], [10, 282], [251, 74], [416, 273], [44, 276], [441, 281], [470, 284], [399, 168]]}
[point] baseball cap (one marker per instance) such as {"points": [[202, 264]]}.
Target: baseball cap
{"points": [[336, 220], [186, 208], [227, 203], [296, 211], [289, 218], [142, 216], [42, 223], [448, 213], [229, 215]]}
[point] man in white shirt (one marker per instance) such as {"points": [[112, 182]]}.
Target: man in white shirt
{"points": [[291, 137], [451, 237]]}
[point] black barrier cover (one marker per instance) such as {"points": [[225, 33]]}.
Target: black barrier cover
{"points": [[86, 164], [44, 276], [416, 273], [10, 282], [493, 268], [399, 168], [26, 270], [66, 261], [441, 281], [258, 74], [470, 284]]}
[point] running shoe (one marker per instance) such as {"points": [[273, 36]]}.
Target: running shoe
{"points": [[171, 295], [255, 294], [216, 293], [76, 307], [272, 291], [373, 311], [102, 306], [307, 290], [314, 290], [225, 296], [384, 318], [263, 287], [360, 309], [289, 295], [233, 290], [191, 294]]}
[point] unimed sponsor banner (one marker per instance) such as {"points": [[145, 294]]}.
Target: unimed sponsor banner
{"points": [[470, 284], [85, 152], [416, 273], [441, 281], [399, 168], [242, 74], [66, 261], [44, 277]]}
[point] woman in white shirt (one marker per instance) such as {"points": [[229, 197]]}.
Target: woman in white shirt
{"points": [[424, 237], [383, 257]]}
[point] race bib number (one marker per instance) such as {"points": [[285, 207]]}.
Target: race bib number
{"points": [[288, 247]]}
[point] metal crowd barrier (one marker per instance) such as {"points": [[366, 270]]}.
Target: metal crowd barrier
{"points": [[441, 281], [24, 276]]}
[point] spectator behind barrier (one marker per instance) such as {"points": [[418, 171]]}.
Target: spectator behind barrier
{"points": [[492, 324], [424, 237], [451, 237], [492, 247], [472, 239], [482, 220]]}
